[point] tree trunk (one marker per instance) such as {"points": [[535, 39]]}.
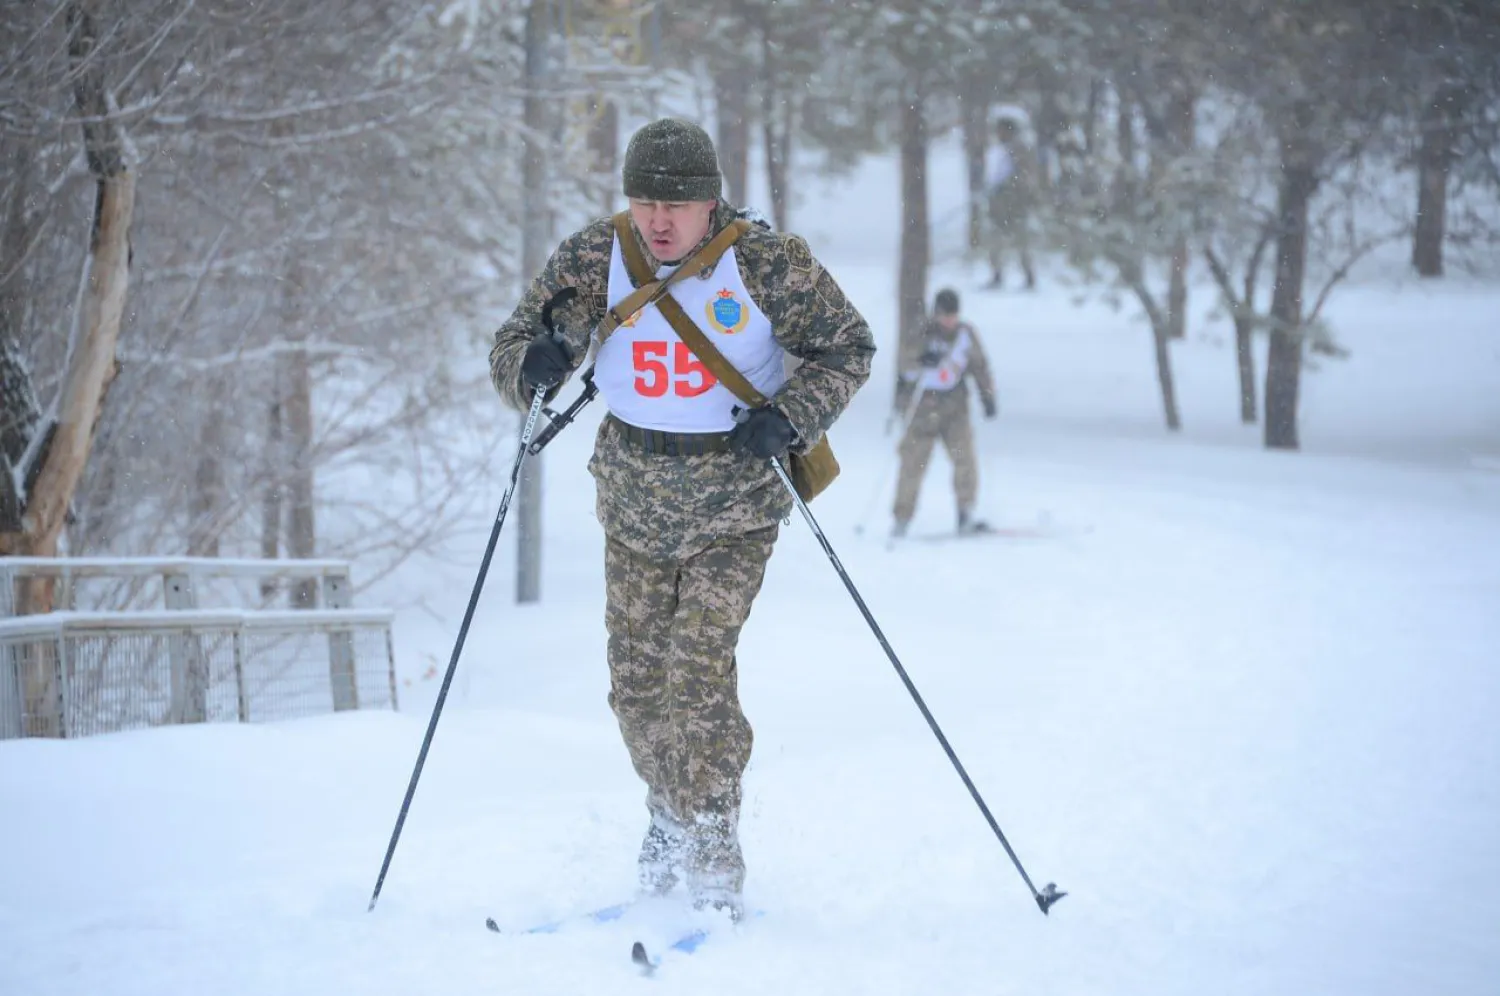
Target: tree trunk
{"points": [[975, 108], [270, 508], [1049, 124], [1134, 276], [732, 127], [915, 249], [1181, 120], [1244, 325], [207, 503], [776, 116], [91, 362], [1298, 182], [294, 400], [778, 176], [604, 141], [1434, 163], [1244, 355], [1092, 113], [1177, 290], [534, 251], [1124, 193], [1243, 312], [301, 531], [1161, 336]]}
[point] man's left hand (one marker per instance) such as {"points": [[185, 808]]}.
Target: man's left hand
{"points": [[765, 433]]}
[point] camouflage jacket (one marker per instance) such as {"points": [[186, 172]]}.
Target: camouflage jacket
{"points": [[671, 507]]}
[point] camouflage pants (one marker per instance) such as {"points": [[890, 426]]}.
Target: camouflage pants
{"points": [[940, 415], [1009, 232], [673, 626]]}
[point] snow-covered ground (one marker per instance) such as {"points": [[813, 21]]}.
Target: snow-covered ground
{"points": [[1244, 709]]}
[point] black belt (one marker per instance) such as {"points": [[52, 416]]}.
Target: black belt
{"points": [[673, 443]]}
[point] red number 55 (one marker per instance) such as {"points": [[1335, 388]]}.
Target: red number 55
{"points": [[688, 377]]}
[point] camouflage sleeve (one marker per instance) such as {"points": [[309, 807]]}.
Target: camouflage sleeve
{"points": [[813, 321], [979, 368], [581, 261]]}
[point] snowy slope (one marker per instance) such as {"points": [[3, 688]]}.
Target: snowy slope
{"points": [[1244, 712]]}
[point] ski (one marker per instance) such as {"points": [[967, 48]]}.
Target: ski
{"points": [[1039, 531], [687, 944], [604, 914]]}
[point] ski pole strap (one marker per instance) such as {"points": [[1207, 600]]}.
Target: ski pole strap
{"points": [[650, 290]]}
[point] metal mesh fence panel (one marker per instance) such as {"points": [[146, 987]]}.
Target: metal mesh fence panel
{"points": [[29, 692], [290, 674], [72, 681]]}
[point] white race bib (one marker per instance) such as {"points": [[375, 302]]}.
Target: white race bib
{"points": [[950, 372], [649, 378]]}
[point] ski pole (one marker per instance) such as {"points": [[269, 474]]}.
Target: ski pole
{"points": [[891, 466], [1049, 893], [522, 451]]}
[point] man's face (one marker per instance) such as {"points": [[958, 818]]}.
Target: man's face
{"points": [[671, 228], [948, 320]]}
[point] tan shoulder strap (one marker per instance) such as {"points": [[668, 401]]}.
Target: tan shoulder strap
{"points": [[627, 306], [648, 289], [635, 260]]}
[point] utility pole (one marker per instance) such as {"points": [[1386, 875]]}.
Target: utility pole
{"points": [[534, 237]]}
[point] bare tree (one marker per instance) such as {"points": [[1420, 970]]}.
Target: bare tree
{"points": [[1314, 72], [325, 196], [91, 351], [1240, 299], [1124, 213]]}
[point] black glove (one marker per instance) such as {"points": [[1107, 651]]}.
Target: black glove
{"points": [[991, 408], [546, 364], [931, 356], [764, 432]]}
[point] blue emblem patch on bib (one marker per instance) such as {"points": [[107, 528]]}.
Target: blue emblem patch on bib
{"points": [[726, 313]]}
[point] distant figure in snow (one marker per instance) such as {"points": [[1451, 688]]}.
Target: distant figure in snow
{"points": [[936, 367], [1010, 180]]}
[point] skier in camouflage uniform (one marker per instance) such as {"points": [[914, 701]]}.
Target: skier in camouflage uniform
{"points": [[936, 366], [1011, 182], [689, 501]]}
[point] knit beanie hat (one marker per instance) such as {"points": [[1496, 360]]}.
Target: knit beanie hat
{"points": [[672, 160]]}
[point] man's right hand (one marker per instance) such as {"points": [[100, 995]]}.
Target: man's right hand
{"points": [[547, 363]]}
